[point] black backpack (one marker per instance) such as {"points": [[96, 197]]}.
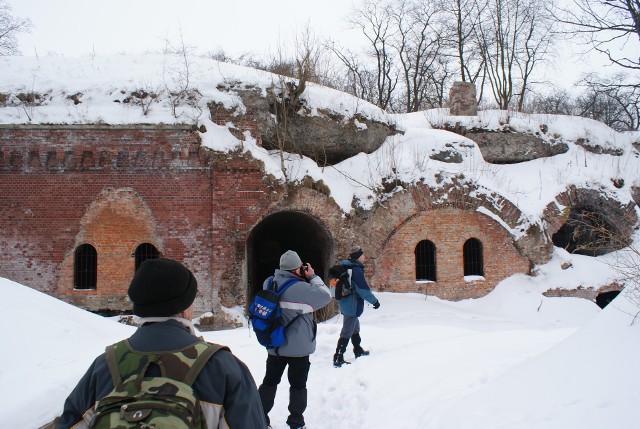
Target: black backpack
{"points": [[340, 281]]}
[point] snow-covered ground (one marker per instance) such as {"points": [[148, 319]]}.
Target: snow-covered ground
{"points": [[513, 359]]}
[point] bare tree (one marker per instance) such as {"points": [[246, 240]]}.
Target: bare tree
{"points": [[177, 77], [409, 53], [373, 19], [419, 42], [627, 266], [610, 101], [514, 37], [466, 15], [10, 26], [557, 101], [287, 90], [606, 25], [358, 80]]}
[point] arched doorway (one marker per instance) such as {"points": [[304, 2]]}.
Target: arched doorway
{"points": [[605, 298], [282, 231], [588, 232]]}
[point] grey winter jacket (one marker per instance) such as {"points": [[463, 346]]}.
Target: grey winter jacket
{"points": [[300, 300]]}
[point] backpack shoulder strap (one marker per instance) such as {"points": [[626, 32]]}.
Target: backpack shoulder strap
{"points": [[271, 282], [201, 361], [110, 354], [280, 290]]}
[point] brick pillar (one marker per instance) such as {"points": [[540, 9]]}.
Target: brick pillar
{"points": [[462, 99]]}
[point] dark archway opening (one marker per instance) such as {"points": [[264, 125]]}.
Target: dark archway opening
{"points": [[587, 232], [143, 252], [279, 232], [605, 298], [425, 255], [85, 267], [472, 258]]}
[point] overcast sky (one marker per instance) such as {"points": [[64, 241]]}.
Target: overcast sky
{"points": [[84, 27]]}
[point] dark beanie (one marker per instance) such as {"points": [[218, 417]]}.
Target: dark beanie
{"points": [[162, 288], [356, 252]]}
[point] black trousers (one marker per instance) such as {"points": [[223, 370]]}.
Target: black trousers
{"points": [[298, 373]]}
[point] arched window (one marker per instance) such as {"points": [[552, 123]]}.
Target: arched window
{"points": [[425, 261], [143, 252], [472, 255], [85, 267]]}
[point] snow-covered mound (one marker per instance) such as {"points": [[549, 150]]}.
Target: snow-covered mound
{"points": [[155, 89]]}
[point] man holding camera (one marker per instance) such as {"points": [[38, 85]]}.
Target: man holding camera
{"points": [[297, 304]]}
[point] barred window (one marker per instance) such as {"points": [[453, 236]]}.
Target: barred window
{"points": [[425, 261], [472, 255], [143, 252], [85, 267]]}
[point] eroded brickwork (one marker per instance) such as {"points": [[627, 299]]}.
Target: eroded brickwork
{"points": [[111, 187], [118, 187], [448, 229]]}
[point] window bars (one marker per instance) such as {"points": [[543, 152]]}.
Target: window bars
{"points": [[425, 253], [472, 255], [85, 267], [143, 252]]}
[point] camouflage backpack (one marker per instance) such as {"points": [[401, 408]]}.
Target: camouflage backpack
{"points": [[139, 401]]}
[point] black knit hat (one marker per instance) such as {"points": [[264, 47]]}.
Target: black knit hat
{"points": [[161, 288], [355, 253]]}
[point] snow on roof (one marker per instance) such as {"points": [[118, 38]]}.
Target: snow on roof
{"points": [[104, 89]]}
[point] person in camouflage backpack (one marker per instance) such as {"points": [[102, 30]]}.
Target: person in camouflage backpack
{"points": [[163, 292]]}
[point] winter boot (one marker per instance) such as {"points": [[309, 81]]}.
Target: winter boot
{"points": [[338, 357], [357, 349]]}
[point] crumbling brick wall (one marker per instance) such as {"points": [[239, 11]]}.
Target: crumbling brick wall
{"points": [[448, 229], [118, 187], [111, 187]]}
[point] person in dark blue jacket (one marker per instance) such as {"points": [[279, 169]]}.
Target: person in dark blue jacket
{"points": [[352, 307], [162, 292]]}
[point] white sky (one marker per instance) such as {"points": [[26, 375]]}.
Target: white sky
{"points": [[82, 27]]}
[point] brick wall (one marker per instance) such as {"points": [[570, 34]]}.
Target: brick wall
{"points": [[118, 187], [448, 229], [111, 187], [240, 197]]}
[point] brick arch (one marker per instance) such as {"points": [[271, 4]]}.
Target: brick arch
{"points": [[447, 216], [575, 203], [302, 211], [403, 207], [287, 230], [115, 223], [448, 228]]}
